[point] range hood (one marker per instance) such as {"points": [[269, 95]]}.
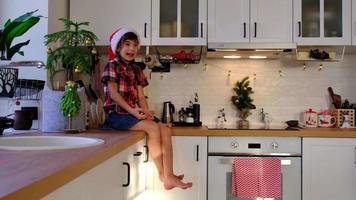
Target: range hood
{"points": [[249, 50]]}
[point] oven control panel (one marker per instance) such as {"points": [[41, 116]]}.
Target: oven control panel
{"points": [[255, 145]]}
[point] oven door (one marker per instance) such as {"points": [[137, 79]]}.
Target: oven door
{"points": [[219, 178]]}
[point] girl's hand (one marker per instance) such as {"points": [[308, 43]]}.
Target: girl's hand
{"points": [[149, 115], [138, 113]]}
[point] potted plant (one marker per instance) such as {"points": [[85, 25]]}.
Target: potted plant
{"points": [[75, 53], [70, 51], [243, 101], [15, 28]]}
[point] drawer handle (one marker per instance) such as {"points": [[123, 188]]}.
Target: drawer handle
{"points": [[128, 174], [147, 157]]}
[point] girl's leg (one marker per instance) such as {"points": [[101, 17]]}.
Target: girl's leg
{"points": [[167, 158], [153, 142], [161, 153]]}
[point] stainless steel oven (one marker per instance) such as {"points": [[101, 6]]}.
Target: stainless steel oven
{"points": [[222, 151]]}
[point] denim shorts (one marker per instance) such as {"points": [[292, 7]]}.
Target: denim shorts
{"points": [[121, 122]]}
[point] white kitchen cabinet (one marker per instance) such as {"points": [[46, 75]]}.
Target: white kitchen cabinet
{"points": [[107, 16], [329, 168], [190, 159], [249, 21], [353, 26], [179, 22], [322, 22], [108, 180]]}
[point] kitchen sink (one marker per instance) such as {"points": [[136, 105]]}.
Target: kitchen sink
{"points": [[47, 142]]}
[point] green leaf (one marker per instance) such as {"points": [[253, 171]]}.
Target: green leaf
{"points": [[20, 29], [15, 49]]}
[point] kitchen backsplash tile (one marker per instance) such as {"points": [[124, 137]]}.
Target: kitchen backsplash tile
{"points": [[281, 87]]}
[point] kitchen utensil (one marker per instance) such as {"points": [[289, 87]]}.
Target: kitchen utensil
{"points": [[335, 98], [310, 118], [168, 111]]}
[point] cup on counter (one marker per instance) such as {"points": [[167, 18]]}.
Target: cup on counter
{"points": [[325, 119]]}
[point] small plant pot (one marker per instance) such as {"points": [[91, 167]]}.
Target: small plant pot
{"points": [[243, 124]]}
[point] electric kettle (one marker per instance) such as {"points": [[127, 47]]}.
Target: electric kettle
{"points": [[168, 110]]}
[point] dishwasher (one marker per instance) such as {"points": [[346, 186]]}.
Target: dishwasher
{"points": [[223, 150]]}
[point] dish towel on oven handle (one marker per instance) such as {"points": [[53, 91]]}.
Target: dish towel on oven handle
{"points": [[256, 177]]}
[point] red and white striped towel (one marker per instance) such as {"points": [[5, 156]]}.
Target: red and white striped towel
{"points": [[256, 177]]}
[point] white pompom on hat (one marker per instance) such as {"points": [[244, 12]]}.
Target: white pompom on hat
{"points": [[115, 38]]}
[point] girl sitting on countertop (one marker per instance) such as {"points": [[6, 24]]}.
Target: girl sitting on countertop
{"points": [[127, 108]]}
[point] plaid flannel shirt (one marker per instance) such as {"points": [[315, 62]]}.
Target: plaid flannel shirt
{"points": [[128, 77]]}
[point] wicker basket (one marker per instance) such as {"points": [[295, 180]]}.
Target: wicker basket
{"points": [[339, 116]]}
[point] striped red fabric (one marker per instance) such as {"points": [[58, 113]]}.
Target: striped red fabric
{"points": [[256, 177]]}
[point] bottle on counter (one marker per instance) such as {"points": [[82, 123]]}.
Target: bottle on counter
{"points": [[196, 109]]}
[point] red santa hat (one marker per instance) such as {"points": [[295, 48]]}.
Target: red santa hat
{"points": [[115, 38]]}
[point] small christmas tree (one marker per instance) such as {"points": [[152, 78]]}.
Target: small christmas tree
{"points": [[70, 104], [243, 100]]}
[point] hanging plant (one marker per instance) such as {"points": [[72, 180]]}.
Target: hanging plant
{"points": [[13, 29]]}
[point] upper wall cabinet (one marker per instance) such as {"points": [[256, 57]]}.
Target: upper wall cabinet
{"points": [[179, 22], [353, 22], [322, 22], [106, 17], [243, 21]]}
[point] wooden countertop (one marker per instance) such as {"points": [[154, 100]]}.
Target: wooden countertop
{"points": [[34, 174], [307, 132]]}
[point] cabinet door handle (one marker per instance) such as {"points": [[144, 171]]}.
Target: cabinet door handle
{"points": [[255, 29], [146, 153], [145, 30], [138, 153], [355, 155], [128, 174], [201, 29], [244, 29], [197, 153], [299, 28]]}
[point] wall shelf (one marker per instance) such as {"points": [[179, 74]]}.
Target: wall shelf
{"points": [[336, 53]]}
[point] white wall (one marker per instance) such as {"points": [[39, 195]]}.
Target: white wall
{"points": [[284, 97]]}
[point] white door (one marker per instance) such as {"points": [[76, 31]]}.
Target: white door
{"points": [[228, 21], [271, 21], [353, 26], [322, 22], [190, 159], [179, 22], [329, 168], [106, 17]]}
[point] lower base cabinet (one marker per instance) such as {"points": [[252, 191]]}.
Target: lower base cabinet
{"points": [[190, 159], [109, 180], [329, 168]]}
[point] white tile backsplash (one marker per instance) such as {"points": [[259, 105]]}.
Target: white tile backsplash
{"points": [[284, 97]]}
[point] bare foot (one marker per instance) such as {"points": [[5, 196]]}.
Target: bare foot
{"points": [[173, 181], [179, 177]]}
